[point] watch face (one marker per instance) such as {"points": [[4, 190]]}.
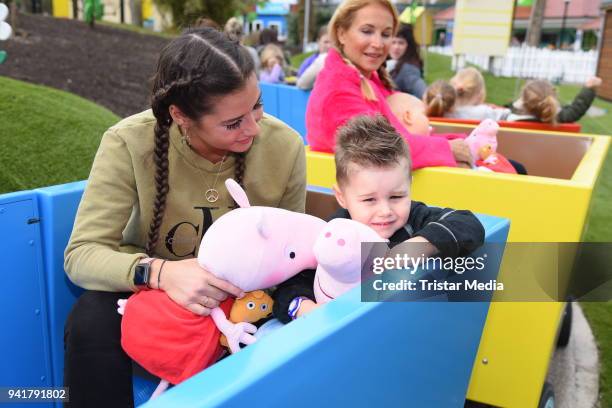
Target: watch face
{"points": [[141, 274]]}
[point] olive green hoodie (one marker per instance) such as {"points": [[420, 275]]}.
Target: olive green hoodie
{"points": [[115, 213]]}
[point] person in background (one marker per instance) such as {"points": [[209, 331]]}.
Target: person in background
{"points": [[539, 103], [207, 22], [407, 68], [272, 65], [354, 82], [233, 28], [323, 43], [469, 100], [310, 68], [267, 36], [270, 36], [439, 98]]}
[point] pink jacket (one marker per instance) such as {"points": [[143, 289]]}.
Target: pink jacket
{"points": [[336, 97]]}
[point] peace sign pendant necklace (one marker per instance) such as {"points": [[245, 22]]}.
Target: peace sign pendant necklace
{"points": [[212, 195]]}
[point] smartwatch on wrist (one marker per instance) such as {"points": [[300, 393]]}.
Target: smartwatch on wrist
{"points": [[294, 306], [142, 273]]}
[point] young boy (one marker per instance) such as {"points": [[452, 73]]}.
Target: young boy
{"points": [[373, 187]]}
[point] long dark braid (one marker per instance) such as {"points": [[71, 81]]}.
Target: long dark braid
{"points": [[240, 168], [192, 69], [160, 158]]}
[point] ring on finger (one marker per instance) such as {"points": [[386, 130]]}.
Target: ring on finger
{"points": [[207, 302]]}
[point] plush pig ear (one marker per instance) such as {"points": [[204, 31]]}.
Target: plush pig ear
{"points": [[237, 193], [263, 225]]}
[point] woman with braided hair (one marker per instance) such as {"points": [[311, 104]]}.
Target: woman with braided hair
{"points": [[354, 82], [155, 187]]}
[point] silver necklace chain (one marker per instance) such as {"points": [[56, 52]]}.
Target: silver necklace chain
{"points": [[212, 194]]}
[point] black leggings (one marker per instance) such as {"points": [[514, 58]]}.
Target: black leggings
{"points": [[96, 369], [520, 169]]}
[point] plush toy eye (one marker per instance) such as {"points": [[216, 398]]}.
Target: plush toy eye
{"points": [[250, 305], [290, 252], [264, 307]]}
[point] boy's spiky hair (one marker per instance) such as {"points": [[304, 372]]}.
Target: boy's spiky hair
{"points": [[368, 141]]}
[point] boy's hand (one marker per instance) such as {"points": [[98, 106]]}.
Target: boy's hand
{"points": [[306, 307], [593, 82]]}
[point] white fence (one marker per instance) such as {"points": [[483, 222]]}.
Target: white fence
{"points": [[531, 62]]}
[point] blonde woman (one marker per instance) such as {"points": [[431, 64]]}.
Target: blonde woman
{"points": [[354, 81]]}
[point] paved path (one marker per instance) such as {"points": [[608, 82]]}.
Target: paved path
{"points": [[574, 371]]}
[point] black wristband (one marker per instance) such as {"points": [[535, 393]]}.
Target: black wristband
{"points": [[161, 268]]}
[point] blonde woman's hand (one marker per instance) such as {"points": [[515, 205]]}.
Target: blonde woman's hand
{"points": [[461, 152], [192, 286]]}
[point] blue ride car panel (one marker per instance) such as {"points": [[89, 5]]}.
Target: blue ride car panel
{"points": [[26, 353], [345, 352]]}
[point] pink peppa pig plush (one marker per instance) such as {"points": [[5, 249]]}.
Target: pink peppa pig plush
{"points": [[338, 251], [484, 136], [483, 146], [250, 247]]}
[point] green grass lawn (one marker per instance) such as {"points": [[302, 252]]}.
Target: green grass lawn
{"points": [[50, 137]]}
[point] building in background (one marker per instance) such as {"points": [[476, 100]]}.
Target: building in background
{"points": [[582, 23], [604, 64], [272, 14]]}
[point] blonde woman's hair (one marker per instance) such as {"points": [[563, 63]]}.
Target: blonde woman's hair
{"points": [[342, 19], [439, 98], [469, 84], [272, 51], [539, 99], [368, 141]]}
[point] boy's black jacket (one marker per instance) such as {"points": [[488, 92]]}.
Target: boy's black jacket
{"points": [[453, 232]]}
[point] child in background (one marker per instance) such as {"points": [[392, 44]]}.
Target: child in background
{"points": [[439, 98], [470, 95], [374, 187], [539, 103], [311, 67], [272, 62], [323, 44]]}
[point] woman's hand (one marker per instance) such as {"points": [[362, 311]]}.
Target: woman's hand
{"points": [[192, 286], [461, 152]]}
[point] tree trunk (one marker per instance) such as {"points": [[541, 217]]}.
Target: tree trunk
{"points": [[14, 17], [534, 31]]}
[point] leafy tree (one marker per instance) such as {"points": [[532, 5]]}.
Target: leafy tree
{"points": [[185, 12], [319, 16]]}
